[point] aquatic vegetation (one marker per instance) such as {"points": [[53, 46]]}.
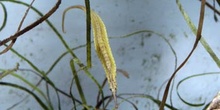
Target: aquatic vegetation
{"points": [[50, 96]]}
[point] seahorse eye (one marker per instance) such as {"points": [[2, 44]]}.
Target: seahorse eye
{"points": [[110, 89]]}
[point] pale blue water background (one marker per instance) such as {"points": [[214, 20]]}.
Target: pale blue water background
{"points": [[148, 60]]}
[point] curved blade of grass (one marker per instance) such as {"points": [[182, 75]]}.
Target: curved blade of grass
{"points": [[202, 40], [5, 16], [158, 102], [190, 77], [36, 69], [166, 40], [11, 72], [99, 94], [188, 103], [33, 87], [28, 91], [19, 28], [33, 66], [132, 95], [56, 89], [58, 98], [31, 26], [60, 57], [51, 26], [98, 104], [198, 37], [28, 61], [65, 45], [72, 96], [48, 95], [22, 57], [78, 85], [130, 102], [18, 103], [151, 32], [7, 72], [63, 41]]}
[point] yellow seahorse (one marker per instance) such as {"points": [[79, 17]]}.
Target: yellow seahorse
{"points": [[102, 48]]}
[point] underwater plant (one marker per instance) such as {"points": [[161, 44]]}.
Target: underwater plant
{"points": [[52, 91]]}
